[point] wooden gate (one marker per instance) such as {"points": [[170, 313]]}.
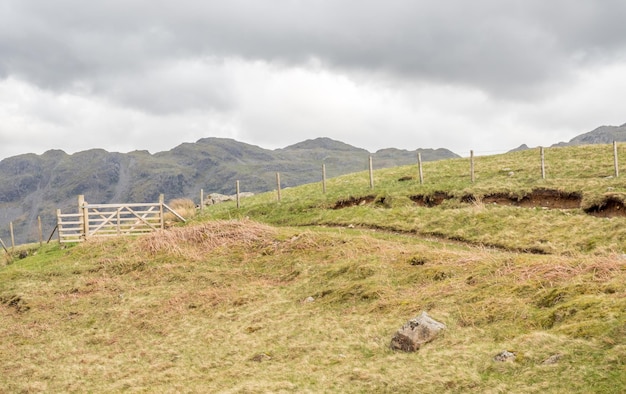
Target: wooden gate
{"points": [[111, 220]]}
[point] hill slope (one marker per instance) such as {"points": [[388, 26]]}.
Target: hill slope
{"points": [[237, 306]]}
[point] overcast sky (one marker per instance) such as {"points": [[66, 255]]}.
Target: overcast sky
{"points": [[486, 75]]}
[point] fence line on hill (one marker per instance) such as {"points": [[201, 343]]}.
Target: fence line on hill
{"points": [[102, 215], [472, 173]]}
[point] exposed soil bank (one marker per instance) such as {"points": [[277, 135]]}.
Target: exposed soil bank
{"points": [[353, 202], [430, 200], [545, 198], [611, 206]]}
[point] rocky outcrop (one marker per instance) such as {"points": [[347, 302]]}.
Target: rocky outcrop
{"points": [[600, 135], [216, 198]]}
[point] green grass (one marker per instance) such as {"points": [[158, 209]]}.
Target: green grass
{"points": [[584, 170], [221, 305]]}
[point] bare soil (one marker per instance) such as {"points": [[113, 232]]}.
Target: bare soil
{"points": [[353, 202], [611, 206], [430, 200], [545, 198]]}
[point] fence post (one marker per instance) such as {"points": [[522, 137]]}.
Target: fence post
{"points": [[237, 189], [40, 231], [419, 165], [59, 228], [278, 185], [12, 236], [324, 178], [161, 211], [201, 200], [371, 173], [84, 216], [543, 163], [472, 165], [615, 160]]}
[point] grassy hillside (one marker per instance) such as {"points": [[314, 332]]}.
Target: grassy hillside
{"points": [[304, 295], [509, 206]]}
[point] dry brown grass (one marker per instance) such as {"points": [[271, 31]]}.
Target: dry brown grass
{"points": [[220, 307], [195, 241], [184, 207]]}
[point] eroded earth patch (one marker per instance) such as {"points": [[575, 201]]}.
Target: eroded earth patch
{"points": [[353, 202], [538, 198], [431, 200], [610, 206]]}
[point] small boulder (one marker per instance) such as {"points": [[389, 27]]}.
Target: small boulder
{"points": [[216, 198], [504, 356], [416, 332]]}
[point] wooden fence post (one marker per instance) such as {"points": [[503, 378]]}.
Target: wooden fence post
{"points": [[59, 228], [84, 216], [472, 165], [278, 185], [12, 236], [40, 231], [543, 163], [324, 178], [419, 165], [201, 200], [161, 210], [371, 173], [615, 160], [237, 189]]}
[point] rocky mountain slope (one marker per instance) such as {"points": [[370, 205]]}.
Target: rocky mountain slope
{"points": [[36, 185], [600, 135]]}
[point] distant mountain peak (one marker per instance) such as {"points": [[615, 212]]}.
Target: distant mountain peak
{"points": [[520, 148], [321, 143], [599, 135]]}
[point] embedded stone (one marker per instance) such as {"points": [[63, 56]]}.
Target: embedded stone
{"points": [[416, 332]]}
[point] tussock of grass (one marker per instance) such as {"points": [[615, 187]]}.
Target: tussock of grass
{"points": [[199, 239], [182, 206]]}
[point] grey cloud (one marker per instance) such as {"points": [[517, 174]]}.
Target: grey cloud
{"points": [[507, 48], [172, 87]]}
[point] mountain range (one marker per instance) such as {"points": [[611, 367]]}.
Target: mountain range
{"points": [[36, 185]]}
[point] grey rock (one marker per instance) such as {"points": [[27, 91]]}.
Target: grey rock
{"points": [[216, 198], [504, 356], [416, 332]]}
